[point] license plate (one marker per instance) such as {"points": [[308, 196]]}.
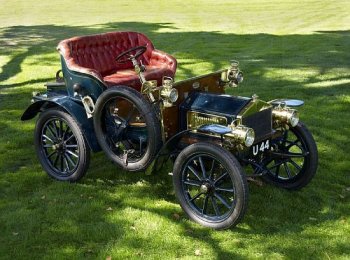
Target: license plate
{"points": [[260, 147]]}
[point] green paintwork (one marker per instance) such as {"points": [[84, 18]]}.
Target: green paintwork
{"points": [[91, 85]]}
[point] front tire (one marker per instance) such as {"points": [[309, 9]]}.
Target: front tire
{"points": [[298, 160], [210, 185], [60, 146]]}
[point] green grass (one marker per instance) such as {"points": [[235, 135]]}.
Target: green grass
{"points": [[294, 49]]}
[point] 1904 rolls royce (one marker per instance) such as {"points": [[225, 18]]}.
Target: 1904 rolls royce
{"points": [[116, 93]]}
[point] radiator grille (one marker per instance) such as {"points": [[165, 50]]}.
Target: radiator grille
{"points": [[196, 119], [261, 122]]}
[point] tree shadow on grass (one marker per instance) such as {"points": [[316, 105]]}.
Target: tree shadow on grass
{"points": [[257, 52], [34, 203]]}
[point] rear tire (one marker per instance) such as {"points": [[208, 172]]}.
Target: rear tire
{"points": [[127, 128], [60, 146]]}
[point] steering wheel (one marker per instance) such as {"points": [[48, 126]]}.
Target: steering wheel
{"points": [[128, 54]]}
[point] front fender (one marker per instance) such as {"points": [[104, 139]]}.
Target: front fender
{"points": [[164, 153], [75, 109]]}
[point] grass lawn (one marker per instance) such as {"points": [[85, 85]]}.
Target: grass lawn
{"points": [[293, 49]]}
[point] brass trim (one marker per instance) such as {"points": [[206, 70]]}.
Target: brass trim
{"points": [[203, 118], [254, 106], [198, 77]]}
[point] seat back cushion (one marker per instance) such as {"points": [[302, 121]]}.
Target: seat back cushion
{"points": [[98, 52]]}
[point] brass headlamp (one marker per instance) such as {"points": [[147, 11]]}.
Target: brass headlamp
{"points": [[232, 76], [242, 134], [285, 116], [168, 93]]}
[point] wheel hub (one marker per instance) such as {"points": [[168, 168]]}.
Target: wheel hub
{"points": [[59, 147], [205, 188]]}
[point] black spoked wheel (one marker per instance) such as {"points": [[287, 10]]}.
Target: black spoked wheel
{"points": [[210, 185], [60, 146], [293, 162], [127, 128]]}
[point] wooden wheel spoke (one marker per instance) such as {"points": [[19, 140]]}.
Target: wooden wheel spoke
{"points": [[205, 204], [196, 196], [67, 169], [51, 154], [194, 172], [277, 170], [204, 174], [225, 190], [71, 146], [215, 206], [222, 200], [286, 168], [74, 154], [56, 128], [61, 163], [60, 129], [65, 132], [220, 178], [56, 159], [48, 138], [192, 183], [70, 137], [295, 164], [51, 131], [276, 166], [70, 159], [296, 155], [285, 138], [293, 143], [211, 169]]}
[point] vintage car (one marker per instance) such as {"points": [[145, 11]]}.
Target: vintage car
{"points": [[116, 93]]}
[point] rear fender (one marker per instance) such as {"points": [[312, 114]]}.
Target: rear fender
{"points": [[75, 109]]}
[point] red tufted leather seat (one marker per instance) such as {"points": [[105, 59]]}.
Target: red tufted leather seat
{"points": [[95, 55]]}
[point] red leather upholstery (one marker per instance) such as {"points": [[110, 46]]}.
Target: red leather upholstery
{"points": [[95, 55]]}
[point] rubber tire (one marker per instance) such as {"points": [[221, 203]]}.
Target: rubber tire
{"points": [[310, 164], [84, 159], [152, 122], [236, 172]]}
